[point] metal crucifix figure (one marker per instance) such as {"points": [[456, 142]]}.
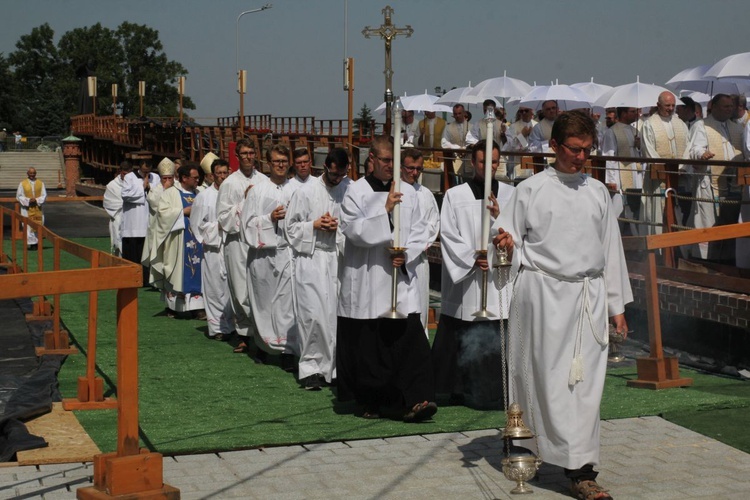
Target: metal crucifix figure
{"points": [[387, 31]]}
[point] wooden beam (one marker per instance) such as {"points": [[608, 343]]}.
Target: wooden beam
{"points": [[14, 286], [691, 236]]}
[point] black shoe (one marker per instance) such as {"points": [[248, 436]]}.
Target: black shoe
{"points": [[311, 383], [260, 357], [288, 363]]}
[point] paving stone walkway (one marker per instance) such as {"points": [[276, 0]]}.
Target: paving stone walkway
{"points": [[641, 458]]}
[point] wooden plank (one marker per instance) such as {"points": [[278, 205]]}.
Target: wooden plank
{"points": [[68, 441], [716, 281], [691, 236], [13, 286]]}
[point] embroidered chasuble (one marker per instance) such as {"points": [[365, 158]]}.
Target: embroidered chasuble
{"points": [[193, 253], [625, 148], [33, 191], [725, 142], [669, 143]]}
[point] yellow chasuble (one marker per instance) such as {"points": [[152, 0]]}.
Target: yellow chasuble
{"points": [[33, 191]]}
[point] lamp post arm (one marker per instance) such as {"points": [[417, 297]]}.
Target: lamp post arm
{"points": [[237, 51]]}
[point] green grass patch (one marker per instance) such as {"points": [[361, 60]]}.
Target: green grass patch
{"points": [[197, 396]]}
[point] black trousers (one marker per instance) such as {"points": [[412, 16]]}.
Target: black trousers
{"points": [[132, 249], [384, 362]]}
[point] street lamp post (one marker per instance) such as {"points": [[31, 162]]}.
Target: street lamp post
{"points": [[241, 77]]}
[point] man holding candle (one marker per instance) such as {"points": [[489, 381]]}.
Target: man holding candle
{"points": [[563, 228], [383, 363], [466, 344]]}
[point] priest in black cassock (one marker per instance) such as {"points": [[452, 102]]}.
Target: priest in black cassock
{"points": [[383, 363]]}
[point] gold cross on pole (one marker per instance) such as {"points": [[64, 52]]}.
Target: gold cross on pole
{"points": [[387, 31]]}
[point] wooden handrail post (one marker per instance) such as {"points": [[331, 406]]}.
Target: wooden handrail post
{"points": [[91, 388], [128, 471], [656, 371]]}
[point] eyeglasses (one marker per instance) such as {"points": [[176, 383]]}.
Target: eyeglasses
{"points": [[332, 173], [412, 169], [280, 162], [578, 151], [385, 160]]}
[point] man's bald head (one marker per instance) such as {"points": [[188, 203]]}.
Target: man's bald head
{"points": [[665, 104]]}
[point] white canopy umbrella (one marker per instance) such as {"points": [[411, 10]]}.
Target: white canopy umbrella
{"points": [[632, 95], [566, 96], [423, 102], [695, 79], [734, 66], [698, 97], [459, 95], [502, 87], [418, 103], [593, 90]]}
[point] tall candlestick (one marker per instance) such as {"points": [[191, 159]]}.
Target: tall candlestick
{"points": [[397, 172], [490, 120]]}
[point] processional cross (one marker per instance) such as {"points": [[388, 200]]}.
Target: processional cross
{"points": [[387, 31]]}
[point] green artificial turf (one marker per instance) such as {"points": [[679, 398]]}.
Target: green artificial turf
{"points": [[198, 396]]}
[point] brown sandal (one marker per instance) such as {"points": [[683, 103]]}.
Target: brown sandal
{"points": [[241, 348], [589, 490], [421, 411]]}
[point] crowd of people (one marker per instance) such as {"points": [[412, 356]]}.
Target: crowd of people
{"points": [[325, 275]]}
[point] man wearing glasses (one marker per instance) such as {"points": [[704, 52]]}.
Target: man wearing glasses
{"points": [[302, 167], [541, 132], [465, 345], [269, 261], [561, 224], [312, 230], [412, 166], [229, 205], [383, 363]]}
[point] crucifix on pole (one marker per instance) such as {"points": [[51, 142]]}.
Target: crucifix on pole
{"points": [[387, 31]]}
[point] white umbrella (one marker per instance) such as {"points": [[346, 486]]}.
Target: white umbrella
{"points": [[501, 87], [631, 95], [593, 90], [734, 66], [423, 102], [695, 79], [418, 103], [459, 95], [566, 96], [698, 97]]}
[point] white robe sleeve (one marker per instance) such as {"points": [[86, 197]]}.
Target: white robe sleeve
{"points": [[537, 142], [205, 228], [459, 254], [257, 227], [609, 148], [299, 229], [648, 141], [42, 197], [619, 291], [21, 197], [365, 224], [132, 190]]}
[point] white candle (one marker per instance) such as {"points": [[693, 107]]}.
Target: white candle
{"points": [[487, 180], [397, 173]]}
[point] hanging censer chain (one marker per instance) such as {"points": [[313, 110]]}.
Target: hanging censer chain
{"points": [[522, 343]]}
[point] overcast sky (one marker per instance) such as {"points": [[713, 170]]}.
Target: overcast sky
{"points": [[293, 52]]}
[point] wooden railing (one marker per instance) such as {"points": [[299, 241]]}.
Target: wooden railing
{"points": [[128, 471], [658, 371]]}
